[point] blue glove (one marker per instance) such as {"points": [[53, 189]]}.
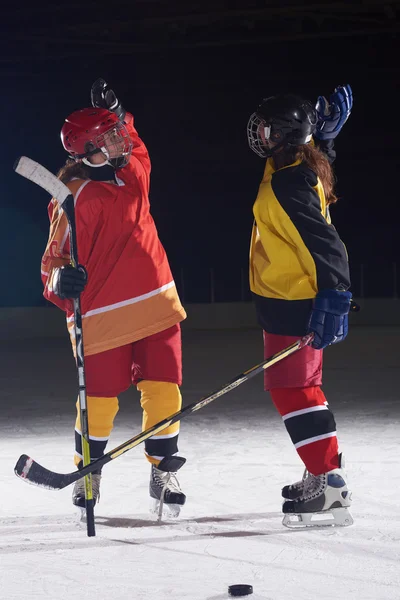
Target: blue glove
{"points": [[329, 318], [333, 115]]}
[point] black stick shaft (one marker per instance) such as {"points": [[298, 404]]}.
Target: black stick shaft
{"points": [[69, 209]]}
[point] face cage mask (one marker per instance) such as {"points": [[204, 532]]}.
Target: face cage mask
{"points": [[254, 137], [115, 144]]}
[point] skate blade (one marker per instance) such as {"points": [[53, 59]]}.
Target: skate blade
{"points": [[81, 514], [335, 517], [169, 511]]}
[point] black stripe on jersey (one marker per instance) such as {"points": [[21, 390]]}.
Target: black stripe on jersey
{"points": [[294, 189], [162, 447], [283, 317], [96, 447], [310, 424]]}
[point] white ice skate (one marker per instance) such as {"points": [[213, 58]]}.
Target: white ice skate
{"points": [[324, 500], [78, 494], [166, 496]]}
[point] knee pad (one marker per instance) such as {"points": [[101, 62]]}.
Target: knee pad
{"points": [[159, 399], [101, 415], [289, 399]]}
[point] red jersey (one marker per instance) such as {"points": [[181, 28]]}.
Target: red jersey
{"points": [[130, 292]]}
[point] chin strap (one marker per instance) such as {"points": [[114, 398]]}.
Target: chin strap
{"points": [[95, 166], [115, 163], [97, 151], [269, 152], [285, 143]]}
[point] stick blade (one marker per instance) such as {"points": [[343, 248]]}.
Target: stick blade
{"points": [[38, 174], [32, 472]]}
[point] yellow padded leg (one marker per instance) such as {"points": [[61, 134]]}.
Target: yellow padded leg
{"points": [[101, 413], [159, 399]]}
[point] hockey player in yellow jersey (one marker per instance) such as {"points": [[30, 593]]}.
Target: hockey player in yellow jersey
{"points": [[299, 278]]}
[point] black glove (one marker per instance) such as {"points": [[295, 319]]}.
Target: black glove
{"points": [[69, 281], [103, 96]]}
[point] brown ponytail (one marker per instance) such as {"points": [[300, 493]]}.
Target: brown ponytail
{"points": [[318, 162], [73, 170]]}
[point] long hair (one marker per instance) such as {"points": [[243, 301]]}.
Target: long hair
{"points": [[72, 170], [318, 162]]}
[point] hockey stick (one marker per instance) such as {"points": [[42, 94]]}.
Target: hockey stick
{"points": [[32, 472], [38, 174]]}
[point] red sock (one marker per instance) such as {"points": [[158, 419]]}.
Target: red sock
{"points": [[311, 426]]}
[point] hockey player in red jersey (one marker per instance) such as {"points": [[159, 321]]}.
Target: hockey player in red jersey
{"points": [[299, 278], [131, 311]]}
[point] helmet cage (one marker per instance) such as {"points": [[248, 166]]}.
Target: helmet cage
{"points": [[256, 127], [115, 144]]}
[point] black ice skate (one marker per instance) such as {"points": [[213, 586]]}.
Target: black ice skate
{"points": [[295, 490], [324, 500], [78, 494], [166, 496]]}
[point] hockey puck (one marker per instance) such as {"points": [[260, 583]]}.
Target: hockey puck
{"points": [[240, 589]]}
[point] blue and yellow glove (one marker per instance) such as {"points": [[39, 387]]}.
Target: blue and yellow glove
{"points": [[333, 114]]}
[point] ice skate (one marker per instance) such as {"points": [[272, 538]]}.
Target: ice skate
{"points": [[295, 490], [324, 500], [78, 494], [166, 496]]}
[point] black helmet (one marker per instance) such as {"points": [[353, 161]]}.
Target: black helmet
{"points": [[286, 119]]}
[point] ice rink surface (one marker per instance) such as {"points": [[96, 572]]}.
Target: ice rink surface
{"points": [[238, 458]]}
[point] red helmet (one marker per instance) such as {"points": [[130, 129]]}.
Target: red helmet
{"points": [[85, 132]]}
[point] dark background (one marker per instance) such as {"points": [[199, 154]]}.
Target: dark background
{"points": [[192, 73]]}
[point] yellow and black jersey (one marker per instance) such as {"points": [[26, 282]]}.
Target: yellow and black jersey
{"points": [[295, 250]]}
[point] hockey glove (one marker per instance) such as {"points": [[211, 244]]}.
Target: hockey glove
{"points": [[103, 96], [333, 115], [69, 282], [329, 318]]}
